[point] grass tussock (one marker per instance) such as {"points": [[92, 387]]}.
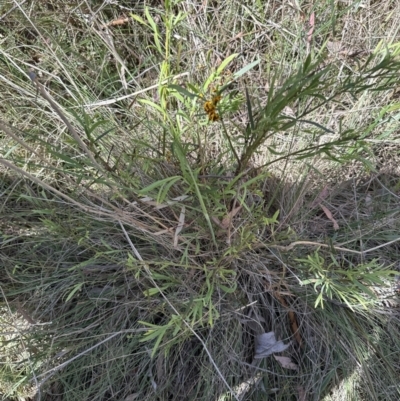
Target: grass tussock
{"points": [[179, 178]]}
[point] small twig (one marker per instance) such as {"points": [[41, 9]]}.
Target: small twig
{"points": [[117, 99], [12, 9], [310, 243], [337, 248]]}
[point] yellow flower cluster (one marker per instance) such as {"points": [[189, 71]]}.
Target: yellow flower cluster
{"points": [[210, 108]]}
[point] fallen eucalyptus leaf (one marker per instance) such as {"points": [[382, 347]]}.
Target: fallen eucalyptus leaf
{"points": [[266, 345]]}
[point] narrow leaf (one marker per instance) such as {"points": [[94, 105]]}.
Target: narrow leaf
{"points": [[249, 111], [139, 19], [104, 134], [317, 125], [152, 104], [158, 184], [74, 290], [330, 217], [228, 290], [245, 69], [91, 128], [183, 91], [165, 189], [150, 19], [155, 30], [224, 64]]}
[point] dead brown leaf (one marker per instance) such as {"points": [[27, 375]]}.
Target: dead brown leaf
{"points": [[311, 23], [119, 21], [301, 393], [278, 294], [321, 197], [215, 219], [227, 220], [23, 312], [286, 362], [330, 217]]}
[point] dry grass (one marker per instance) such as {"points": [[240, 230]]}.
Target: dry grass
{"points": [[142, 260]]}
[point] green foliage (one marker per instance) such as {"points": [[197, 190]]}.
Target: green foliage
{"points": [[343, 281], [170, 305]]}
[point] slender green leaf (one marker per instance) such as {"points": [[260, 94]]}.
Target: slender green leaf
{"points": [[307, 63], [153, 105], [228, 290], [186, 169], [139, 19], [159, 183], [183, 91], [249, 111], [316, 125], [165, 189], [76, 288], [91, 128], [104, 134], [225, 63], [155, 30], [245, 69]]}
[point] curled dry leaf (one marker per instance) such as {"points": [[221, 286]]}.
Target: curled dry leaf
{"points": [[226, 221], [119, 21], [330, 217]]}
